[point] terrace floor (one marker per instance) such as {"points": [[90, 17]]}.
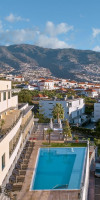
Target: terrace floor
{"points": [[10, 119]]}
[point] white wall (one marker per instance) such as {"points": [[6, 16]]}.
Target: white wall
{"points": [[6, 104], [46, 107], [96, 111], [4, 148], [86, 180], [4, 85]]}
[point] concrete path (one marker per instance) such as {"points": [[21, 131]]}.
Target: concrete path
{"points": [[91, 195]]}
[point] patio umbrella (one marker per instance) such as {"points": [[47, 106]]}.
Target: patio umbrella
{"points": [[51, 123]]}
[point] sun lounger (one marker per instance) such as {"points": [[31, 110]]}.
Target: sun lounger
{"points": [[20, 179], [17, 187], [22, 172]]}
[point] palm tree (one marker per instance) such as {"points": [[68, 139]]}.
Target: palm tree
{"points": [[58, 112], [67, 130], [49, 131]]}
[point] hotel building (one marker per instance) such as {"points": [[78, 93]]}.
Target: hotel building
{"points": [[16, 124]]}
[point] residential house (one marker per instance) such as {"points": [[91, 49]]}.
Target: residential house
{"points": [[91, 93], [74, 109]]}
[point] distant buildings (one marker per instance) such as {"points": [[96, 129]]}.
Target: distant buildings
{"points": [[91, 93], [15, 78], [46, 84]]}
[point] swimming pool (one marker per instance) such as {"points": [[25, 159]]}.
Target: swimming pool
{"points": [[59, 168]]}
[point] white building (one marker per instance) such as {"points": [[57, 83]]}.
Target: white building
{"points": [[19, 78], [30, 87], [96, 111], [73, 84], [46, 85], [15, 78], [73, 109], [91, 93], [17, 124]]}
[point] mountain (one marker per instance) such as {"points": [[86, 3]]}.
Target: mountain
{"points": [[62, 63]]}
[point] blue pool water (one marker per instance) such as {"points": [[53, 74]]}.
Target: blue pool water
{"points": [[58, 168]]}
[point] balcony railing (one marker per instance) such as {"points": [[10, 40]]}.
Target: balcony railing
{"points": [[5, 132], [15, 143], [23, 127]]}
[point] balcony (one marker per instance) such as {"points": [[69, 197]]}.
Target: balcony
{"points": [[23, 127], [10, 120]]}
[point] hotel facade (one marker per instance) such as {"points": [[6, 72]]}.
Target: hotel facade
{"points": [[16, 124]]}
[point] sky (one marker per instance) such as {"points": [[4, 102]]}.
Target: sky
{"points": [[51, 23]]}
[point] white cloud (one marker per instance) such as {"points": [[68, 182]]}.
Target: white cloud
{"points": [[54, 30], [45, 39], [1, 26], [96, 31], [96, 48], [51, 42], [17, 36], [12, 18]]}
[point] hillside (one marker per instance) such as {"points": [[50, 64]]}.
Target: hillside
{"points": [[63, 63]]}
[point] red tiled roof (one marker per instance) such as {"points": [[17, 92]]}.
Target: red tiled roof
{"points": [[82, 83], [90, 84], [90, 90], [19, 77], [73, 82]]}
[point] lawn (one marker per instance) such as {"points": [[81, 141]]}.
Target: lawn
{"points": [[45, 144]]}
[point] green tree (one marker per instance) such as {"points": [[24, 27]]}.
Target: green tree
{"points": [[58, 112], [98, 128], [67, 130], [25, 96], [49, 131]]}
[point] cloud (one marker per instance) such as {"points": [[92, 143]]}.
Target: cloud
{"points": [[95, 32], [17, 36], [54, 30], [11, 18], [1, 26], [47, 38], [96, 48], [51, 42]]}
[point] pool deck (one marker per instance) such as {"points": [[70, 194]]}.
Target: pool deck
{"points": [[26, 194]]}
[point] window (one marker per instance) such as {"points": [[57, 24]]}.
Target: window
{"points": [[4, 96], [70, 104], [8, 95], [3, 161], [77, 112]]}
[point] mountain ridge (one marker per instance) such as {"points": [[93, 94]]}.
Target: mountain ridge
{"points": [[63, 63]]}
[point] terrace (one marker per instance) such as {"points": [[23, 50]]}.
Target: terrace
{"points": [[25, 192], [10, 121]]}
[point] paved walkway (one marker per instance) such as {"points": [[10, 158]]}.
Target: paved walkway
{"points": [[25, 194], [91, 186]]}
